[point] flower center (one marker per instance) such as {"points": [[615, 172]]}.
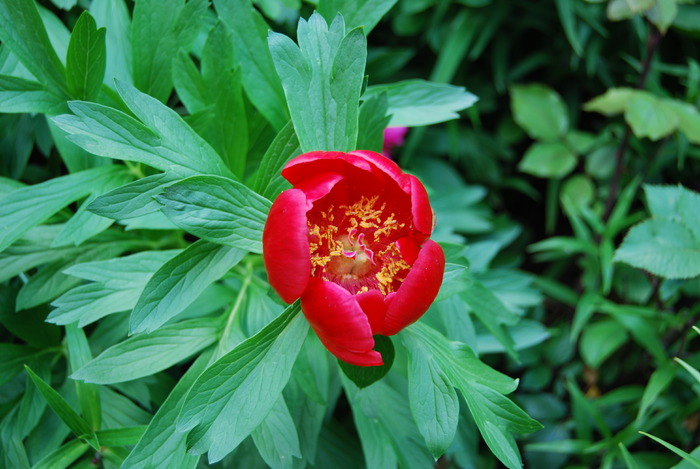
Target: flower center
{"points": [[355, 246]]}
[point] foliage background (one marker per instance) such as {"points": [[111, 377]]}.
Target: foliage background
{"points": [[565, 197]]}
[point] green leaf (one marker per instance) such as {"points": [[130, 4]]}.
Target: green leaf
{"points": [[662, 14], [322, 79], [217, 209], [114, 16], [364, 376], [161, 444], [415, 103], [373, 120], [548, 160], [619, 10], [78, 426], [356, 13], [686, 457], [125, 436], [27, 207], [22, 30], [268, 180], [224, 405], [163, 140], [276, 437], [146, 354], [658, 382], [688, 119], [179, 282], [14, 356], [157, 34], [432, 397], [675, 203], [18, 95], [614, 101], [86, 59], [663, 247], [540, 111], [261, 82], [134, 199], [64, 456], [649, 116], [693, 372], [88, 394], [599, 340]]}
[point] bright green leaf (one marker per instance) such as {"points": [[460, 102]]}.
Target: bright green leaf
{"points": [[540, 111], [548, 160]]}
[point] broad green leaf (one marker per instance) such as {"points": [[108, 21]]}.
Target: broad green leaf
{"points": [[179, 282], [599, 340], [619, 10], [663, 247], [163, 140], [356, 13], [224, 405], [688, 119], [322, 79], [385, 425], [614, 101], [134, 199], [525, 334], [86, 59], [22, 30], [161, 443], [432, 397], [157, 34], [78, 426], [88, 303], [268, 180], [125, 436], [217, 209], [662, 14], [113, 15], [27, 207], [19, 95], [415, 103], [548, 160], [540, 111], [276, 437], [261, 82], [64, 456], [146, 354], [675, 203], [88, 394], [649, 116]]}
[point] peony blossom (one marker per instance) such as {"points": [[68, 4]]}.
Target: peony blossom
{"points": [[393, 137], [351, 239]]}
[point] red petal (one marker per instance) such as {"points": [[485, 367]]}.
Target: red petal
{"points": [[316, 162], [339, 322], [286, 245], [418, 291], [409, 249], [420, 207], [381, 162], [318, 185], [374, 307]]}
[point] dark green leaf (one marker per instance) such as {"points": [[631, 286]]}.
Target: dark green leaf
{"points": [[86, 59], [21, 95], [134, 199], [276, 437], [373, 120], [363, 376], [364, 13], [223, 406], [179, 282], [64, 456], [268, 180], [88, 394]]}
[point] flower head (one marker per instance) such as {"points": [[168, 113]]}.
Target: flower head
{"points": [[351, 239]]}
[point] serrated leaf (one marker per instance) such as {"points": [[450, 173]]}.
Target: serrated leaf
{"points": [[27, 207], [663, 247], [224, 405], [134, 199], [146, 354], [322, 79], [217, 209], [415, 103], [86, 59], [76, 423], [179, 282], [548, 160], [540, 111]]}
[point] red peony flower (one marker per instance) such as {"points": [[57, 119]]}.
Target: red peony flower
{"points": [[351, 238]]}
